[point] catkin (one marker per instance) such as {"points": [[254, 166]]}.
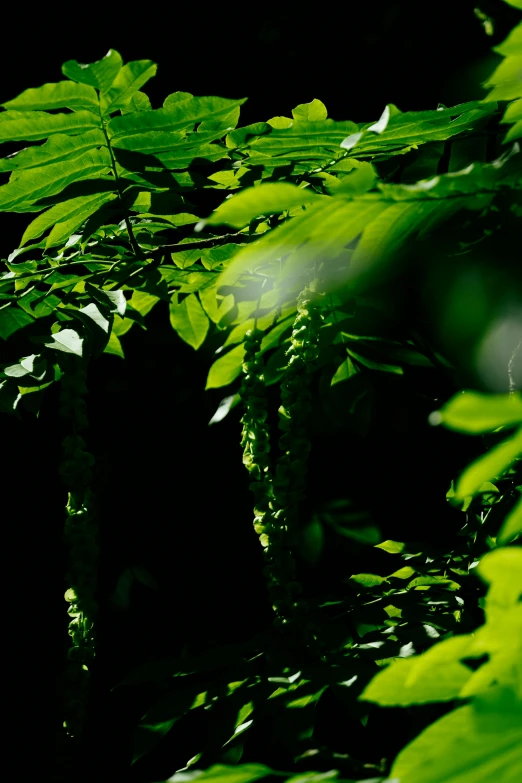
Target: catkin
{"points": [[81, 535]]}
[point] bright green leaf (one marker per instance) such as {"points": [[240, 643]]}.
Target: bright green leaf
{"points": [[37, 183], [54, 96], [114, 346], [314, 111], [470, 745], [58, 147], [226, 368], [512, 526], [100, 74], [490, 466], [398, 685], [34, 125], [189, 320], [264, 200], [128, 81], [393, 547], [476, 413]]}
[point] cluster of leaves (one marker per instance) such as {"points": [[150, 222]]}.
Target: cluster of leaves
{"points": [[120, 190]]}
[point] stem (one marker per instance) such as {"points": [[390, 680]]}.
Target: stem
{"points": [[511, 365], [132, 239]]}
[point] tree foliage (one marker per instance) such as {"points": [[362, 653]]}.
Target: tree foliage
{"points": [[272, 239]]}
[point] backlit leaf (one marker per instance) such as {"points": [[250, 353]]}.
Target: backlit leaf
{"points": [[36, 125], [189, 320], [476, 413], [263, 200], [490, 466], [68, 341], [100, 74], [128, 81], [55, 96]]}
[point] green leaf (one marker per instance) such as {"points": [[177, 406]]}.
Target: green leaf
{"points": [[126, 84], [226, 369], [68, 341], [37, 183], [384, 235], [189, 320], [400, 684], [345, 370], [137, 102], [367, 580], [180, 116], [265, 199], [12, 319], [63, 230], [473, 744], [93, 312], [315, 111], [143, 302], [100, 74], [57, 148], [374, 365], [224, 407], [490, 466], [477, 413], [114, 346], [176, 97], [73, 211], [393, 547], [34, 125], [361, 179], [515, 3], [512, 526], [54, 96], [219, 773]]}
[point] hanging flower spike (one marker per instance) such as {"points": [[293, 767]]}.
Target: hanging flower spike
{"points": [[81, 535], [255, 441], [289, 485]]}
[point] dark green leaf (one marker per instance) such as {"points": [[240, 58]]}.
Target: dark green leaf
{"points": [[12, 319]]}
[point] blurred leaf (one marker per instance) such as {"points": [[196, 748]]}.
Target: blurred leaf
{"points": [[399, 683], [512, 526], [475, 412], [476, 743], [490, 466], [219, 773]]}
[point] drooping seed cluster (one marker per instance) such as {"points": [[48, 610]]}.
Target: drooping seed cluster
{"points": [[81, 535], [294, 413], [276, 498]]}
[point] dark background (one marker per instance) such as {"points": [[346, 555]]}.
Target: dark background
{"points": [[173, 495]]}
